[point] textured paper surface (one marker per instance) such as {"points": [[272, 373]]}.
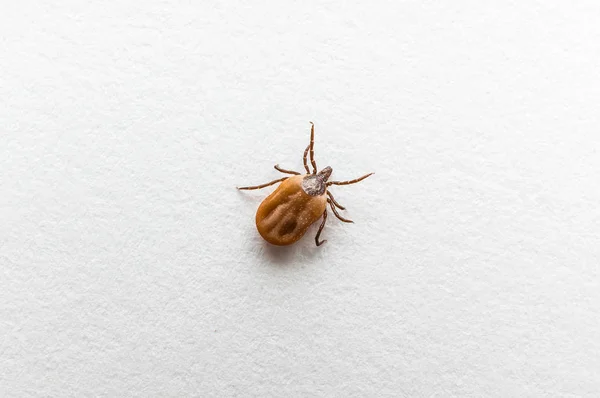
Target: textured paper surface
{"points": [[130, 266]]}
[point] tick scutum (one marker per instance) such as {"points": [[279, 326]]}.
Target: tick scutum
{"points": [[316, 184]]}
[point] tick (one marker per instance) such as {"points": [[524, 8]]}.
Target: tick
{"points": [[299, 201]]}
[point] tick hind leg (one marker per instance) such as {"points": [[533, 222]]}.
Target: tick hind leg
{"points": [[285, 171], [321, 229], [263, 185]]}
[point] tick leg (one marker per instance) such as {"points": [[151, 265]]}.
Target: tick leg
{"points": [[335, 202], [312, 148], [336, 212], [304, 159], [348, 182], [264, 185], [285, 171], [321, 229]]}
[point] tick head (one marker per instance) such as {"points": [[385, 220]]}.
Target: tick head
{"points": [[324, 174]]}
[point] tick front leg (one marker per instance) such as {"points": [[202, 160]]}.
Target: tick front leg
{"points": [[349, 182], [336, 212], [321, 229], [312, 147], [263, 185], [286, 171], [304, 159]]}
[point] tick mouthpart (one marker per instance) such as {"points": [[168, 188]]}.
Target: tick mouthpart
{"points": [[324, 174]]}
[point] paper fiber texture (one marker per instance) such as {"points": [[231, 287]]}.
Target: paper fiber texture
{"points": [[131, 266]]}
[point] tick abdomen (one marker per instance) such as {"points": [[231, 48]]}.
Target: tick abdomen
{"points": [[285, 215]]}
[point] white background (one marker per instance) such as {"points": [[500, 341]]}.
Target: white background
{"points": [[130, 265]]}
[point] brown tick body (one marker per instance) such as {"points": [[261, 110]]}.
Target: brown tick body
{"points": [[285, 215]]}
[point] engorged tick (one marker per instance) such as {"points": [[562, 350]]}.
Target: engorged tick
{"points": [[285, 215]]}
